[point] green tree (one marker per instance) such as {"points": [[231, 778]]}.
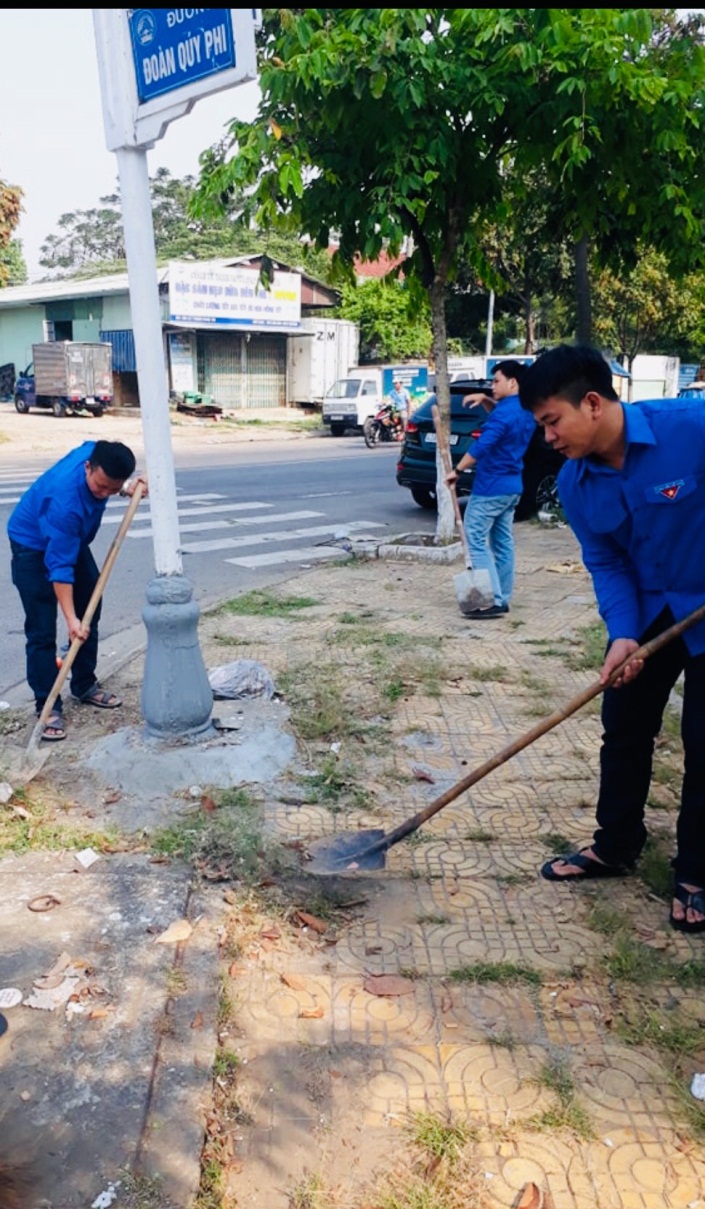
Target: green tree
{"points": [[10, 210], [388, 332], [645, 309], [615, 123], [13, 269], [377, 124]]}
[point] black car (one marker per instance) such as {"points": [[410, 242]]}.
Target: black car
{"points": [[416, 468]]}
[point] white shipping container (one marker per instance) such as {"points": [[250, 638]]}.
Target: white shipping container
{"points": [[654, 377], [323, 351]]}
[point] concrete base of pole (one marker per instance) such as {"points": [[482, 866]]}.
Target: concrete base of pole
{"points": [[176, 696]]}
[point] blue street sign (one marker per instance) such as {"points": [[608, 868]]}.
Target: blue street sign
{"points": [[172, 47]]}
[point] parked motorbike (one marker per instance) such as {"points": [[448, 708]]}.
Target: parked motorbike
{"points": [[386, 425]]}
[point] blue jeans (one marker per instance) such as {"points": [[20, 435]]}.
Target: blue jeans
{"points": [[29, 575], [489, 521]]}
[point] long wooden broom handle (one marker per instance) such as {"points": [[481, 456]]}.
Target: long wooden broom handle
{"points": [[541, 728], [91, 607]]}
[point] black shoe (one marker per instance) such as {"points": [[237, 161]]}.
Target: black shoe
{"points": [[493, 611]]}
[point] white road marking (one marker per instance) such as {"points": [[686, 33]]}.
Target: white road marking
{"points": [[115, 520], [304, 555], [285, 517], [276, 535]]}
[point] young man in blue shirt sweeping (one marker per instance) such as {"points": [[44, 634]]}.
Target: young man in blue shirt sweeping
{"points": [[498, 458], [50, 532], [633, 490]]}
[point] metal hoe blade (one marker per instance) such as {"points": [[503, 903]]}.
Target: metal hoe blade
{"points": [[354, 852]]}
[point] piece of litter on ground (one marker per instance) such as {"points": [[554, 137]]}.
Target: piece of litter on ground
{"points": [[6, 792], [53, 997], [180, 930], [87, 857], [10, 997], [231, 722], [335, 747], [697, 1087], [608, 1142], [388, 985], [195, 791], [105, 1199]]}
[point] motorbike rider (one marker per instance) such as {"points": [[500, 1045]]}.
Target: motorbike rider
{"points": [[400, 400]]}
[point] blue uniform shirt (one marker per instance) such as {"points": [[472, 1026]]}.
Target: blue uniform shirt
{"points": [[499, 450], [642, 528], [58, 514]]}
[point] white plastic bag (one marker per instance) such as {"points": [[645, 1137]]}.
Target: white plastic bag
{"points": [[242, 678]]}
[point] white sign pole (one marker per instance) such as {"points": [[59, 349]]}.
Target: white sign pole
{"points": [[147, 326], [154, 64]]}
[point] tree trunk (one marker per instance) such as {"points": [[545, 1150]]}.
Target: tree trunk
{"points": [[582, 291], [530, 325], [445, 523]]}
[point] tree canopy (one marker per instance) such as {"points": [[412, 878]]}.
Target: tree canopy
{"points": [[92, 241], [388, 331], [10, 210], [383, 124]]}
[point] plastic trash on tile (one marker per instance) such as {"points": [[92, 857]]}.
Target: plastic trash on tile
{"points": [[242, 678]]}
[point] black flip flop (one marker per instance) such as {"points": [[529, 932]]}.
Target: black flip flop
{"points": [[590, 867], [688, 898], [100, 698]]}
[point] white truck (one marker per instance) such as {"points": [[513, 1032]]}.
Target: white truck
{"points": [[364, 389], [323, 351]]}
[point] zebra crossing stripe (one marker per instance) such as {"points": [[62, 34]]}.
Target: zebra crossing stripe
{"points": [[307, 554], [276, 535], [284, 518], [115, 520]]}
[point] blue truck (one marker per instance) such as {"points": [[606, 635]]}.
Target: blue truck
{"points": [[67, 376]]}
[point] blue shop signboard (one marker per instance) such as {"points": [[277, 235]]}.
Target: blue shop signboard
{"points": [[172, 47]]}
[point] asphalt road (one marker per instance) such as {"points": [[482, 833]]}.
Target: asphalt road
{"points": [[271, 501]]}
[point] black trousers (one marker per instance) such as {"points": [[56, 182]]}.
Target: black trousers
{"points": [[631, 717], [40, 606]]}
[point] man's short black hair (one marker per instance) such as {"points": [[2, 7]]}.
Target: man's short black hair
{"points": [[114, 459], [569, 372], [510, 369]]}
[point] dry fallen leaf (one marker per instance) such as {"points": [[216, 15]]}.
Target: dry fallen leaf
{"points": [[310, 921], [208, 804], [271, 934], [113, 796], [531, 1198], [370, 949], [311, 1013], [197, 1021], [20, 812], [159, 860], [230, 897], [387, 985], [235, 970], [99, 1013], [180, 930], [422, 775], [294, 982]]}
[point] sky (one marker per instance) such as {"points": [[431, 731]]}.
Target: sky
{"points": [[51, 124]]}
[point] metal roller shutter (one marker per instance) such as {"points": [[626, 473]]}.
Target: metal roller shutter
{"points": [[220, 367], [266, 371]]}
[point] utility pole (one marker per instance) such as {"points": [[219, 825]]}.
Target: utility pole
{"points": [[490, 325]]}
